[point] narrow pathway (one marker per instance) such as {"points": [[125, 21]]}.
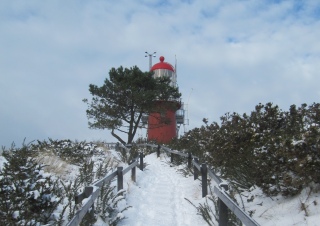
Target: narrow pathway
{"points": [[158, 196]]}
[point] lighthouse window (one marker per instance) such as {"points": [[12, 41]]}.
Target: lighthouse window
{"points": [[162, 72], [165, 73]]}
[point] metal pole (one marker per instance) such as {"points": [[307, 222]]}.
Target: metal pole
{"points": [[150, 55]]}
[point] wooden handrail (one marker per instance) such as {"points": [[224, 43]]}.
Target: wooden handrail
{"points": [[196, 164], [224, 201], [76, 220], [93, 195], [105, 179], [243, 216], [214, 176], [134, 164]]}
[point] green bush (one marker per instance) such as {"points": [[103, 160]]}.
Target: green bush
{"points": [[28, 196], [74, 152], [274, 149]]}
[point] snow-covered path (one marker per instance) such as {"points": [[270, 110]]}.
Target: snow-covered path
{"points": [[158, 196]]}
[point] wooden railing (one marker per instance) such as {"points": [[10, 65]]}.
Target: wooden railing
{"points": [[92, 192], [225, 203]]}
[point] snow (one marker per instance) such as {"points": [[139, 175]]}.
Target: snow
{"points": [[2, 161], [279, 210], [158, 196], [15, 214], [35, 194]]}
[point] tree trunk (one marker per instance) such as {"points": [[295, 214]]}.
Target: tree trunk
{"points": [[117, 137]]}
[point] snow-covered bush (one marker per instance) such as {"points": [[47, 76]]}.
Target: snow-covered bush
{"points": [[31, 196], [75, 152], [209, 210], [276, 150], [126, 155], [28, 196]]}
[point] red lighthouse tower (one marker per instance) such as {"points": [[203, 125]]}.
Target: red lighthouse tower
{"points": [[162, 124]]}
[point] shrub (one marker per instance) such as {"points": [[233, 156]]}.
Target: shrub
{"points": [[276, 150], [28, 196]]}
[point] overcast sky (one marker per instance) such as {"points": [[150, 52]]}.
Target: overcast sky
{"points": [[231, 54]]}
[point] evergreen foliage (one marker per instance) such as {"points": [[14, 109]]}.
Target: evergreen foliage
{"points": [[74, 152], [120, 103], [127, 154], [28, 196], [273, 149]]}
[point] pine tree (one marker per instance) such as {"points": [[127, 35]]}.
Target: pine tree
{"points": [[120, 103]]}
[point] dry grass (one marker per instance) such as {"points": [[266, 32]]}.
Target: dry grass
{"points": [[61, 168], [53, 164]]}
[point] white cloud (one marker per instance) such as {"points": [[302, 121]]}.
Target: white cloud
{"points": [[233, 54]]}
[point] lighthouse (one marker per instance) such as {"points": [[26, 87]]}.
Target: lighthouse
{"points": [[164, 122]]}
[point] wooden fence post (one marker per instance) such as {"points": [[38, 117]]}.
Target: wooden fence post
{"points": [[223, 209], [158, 151], [133, 174], [85, 194], [120, 178], [195, 170], [189, 159], [141, 161], [204, 173]]}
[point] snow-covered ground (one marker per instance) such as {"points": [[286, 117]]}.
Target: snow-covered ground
{"points": [[278, 210], [158, 196]]}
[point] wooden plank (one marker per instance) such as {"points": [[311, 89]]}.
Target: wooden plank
{"points": [[85, 194], [144, 145], [243, 216], [127, 149], [76, 220], [174, 151], [152, 145], [180, 153], [105, 179], [214, 176], [196, 164], [126, 170], [166, 149]]}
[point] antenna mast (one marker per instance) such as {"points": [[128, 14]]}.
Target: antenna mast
{"points": [[175, 73], [150, 58]]}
